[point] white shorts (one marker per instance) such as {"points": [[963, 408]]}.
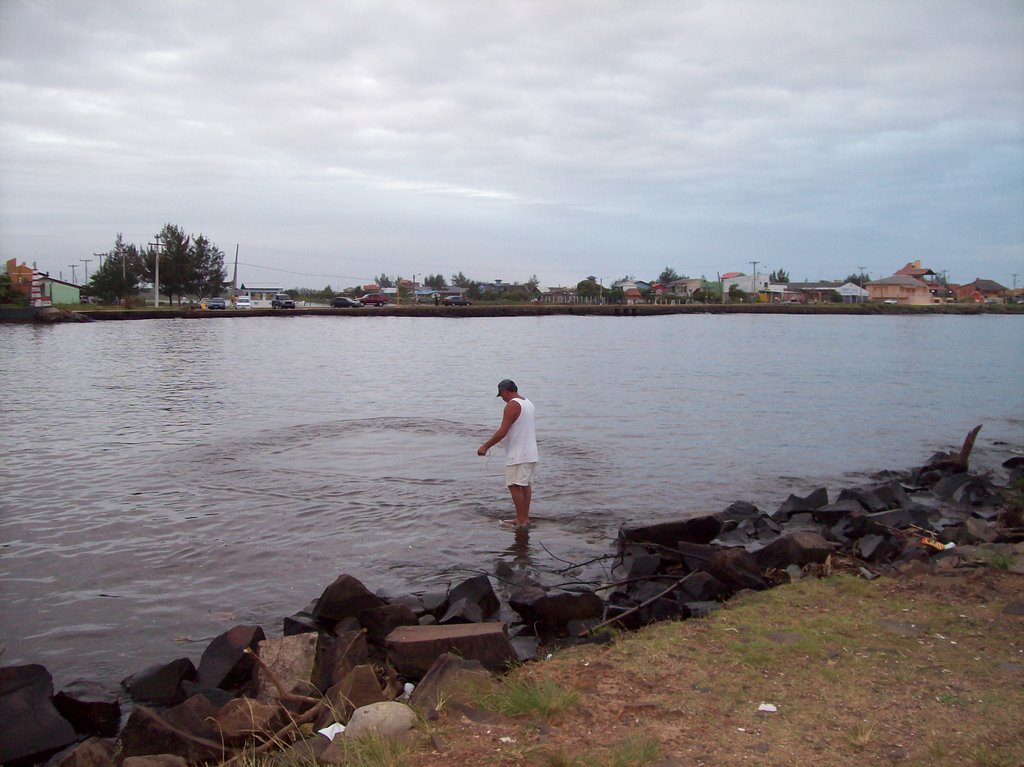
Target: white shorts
{"points": [[519, 473]]}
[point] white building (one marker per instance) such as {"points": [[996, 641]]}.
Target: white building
{"points": [[260, 296]]}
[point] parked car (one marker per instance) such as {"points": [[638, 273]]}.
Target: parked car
{"points": [[243, 302], [216, 303], [344, 302], [376, 299], [457, 301], [282, 301]]}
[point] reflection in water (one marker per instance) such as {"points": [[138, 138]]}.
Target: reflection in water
{"points": [[520, 549]]}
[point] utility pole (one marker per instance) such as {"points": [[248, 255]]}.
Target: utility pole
{"points": [[234, 277], [124, 276], [100, 256], [74, 279], [86, 261], [754, 282], [156, 272]]}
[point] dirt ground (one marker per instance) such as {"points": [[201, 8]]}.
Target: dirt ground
{"points": [[924, 670]]}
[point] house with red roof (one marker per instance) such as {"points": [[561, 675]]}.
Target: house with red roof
{"points": [[983, 291]]}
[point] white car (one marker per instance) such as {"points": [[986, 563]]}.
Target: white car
{"points": [[243, 302]]}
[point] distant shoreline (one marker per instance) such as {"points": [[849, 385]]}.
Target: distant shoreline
{"points": [[540, 310]]}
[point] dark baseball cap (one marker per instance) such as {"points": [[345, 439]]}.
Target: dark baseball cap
{"points": [[506, 385]]}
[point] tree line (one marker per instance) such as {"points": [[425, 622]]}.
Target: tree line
{"points": [[189, 265], [192, 265]]}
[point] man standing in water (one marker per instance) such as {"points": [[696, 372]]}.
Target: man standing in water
{"points": [[519, 432]]}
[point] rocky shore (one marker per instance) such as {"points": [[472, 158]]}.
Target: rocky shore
{"points": [[375, 663]]}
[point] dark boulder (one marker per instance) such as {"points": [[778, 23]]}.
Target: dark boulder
{"points": [[345, 598], [32, 728], [412, 601], [243, 719], [300, 623], [740, 511], [359, 687], [833, 512], [747, 532], [194, 716], [866, 497], [694, 556], [848, 528], [878, 548], [462, 611], [891, 493], [225, 664], [701, 587], [477, 590], [738, 534], [977, 530], [967, 490], [99, 718], [635, 561], [381, 621], [656, 605], [336, 656], [215, 695], [796, 504], [146, 732], [161, 685], [702, 609], [93, 752], [801, 548], [413, 649], [893, 519], [450, 680], [291, 661], [737, 569], [552, 610], [697, 530], [434, 602]]}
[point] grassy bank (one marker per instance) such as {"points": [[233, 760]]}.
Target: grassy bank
{"points": [[917, 671]]}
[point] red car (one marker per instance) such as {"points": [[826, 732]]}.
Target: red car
{"points": [[376, 299]]}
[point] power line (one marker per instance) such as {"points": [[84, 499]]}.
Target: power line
{"points": [[307, 274]]}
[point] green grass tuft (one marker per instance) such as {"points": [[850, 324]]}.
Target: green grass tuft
{"points": [[635, 751], [528, 697]]}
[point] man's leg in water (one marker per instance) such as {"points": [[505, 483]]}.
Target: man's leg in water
{"points": [[521, 497]]}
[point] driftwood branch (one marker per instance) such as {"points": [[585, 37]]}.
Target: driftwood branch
{"points": [[631, 610], [957, 463], [282, 693], [276, 740]]}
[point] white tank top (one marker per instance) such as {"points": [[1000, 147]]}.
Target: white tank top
{"points": [[521, 440]]}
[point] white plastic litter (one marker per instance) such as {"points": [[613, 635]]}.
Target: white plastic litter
{"points": [[507, 740], [407, 691], [331, 730], [768, 707]]}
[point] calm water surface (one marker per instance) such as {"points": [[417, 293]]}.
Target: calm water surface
{"points": [[165, 480]]}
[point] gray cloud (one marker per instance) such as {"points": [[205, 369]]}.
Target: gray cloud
{"points": [[507, 139]]}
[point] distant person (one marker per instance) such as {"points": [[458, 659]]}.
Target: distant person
{"points": [[518, 430]]}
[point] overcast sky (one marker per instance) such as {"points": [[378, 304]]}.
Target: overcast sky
{"points": [[333, 141]]}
